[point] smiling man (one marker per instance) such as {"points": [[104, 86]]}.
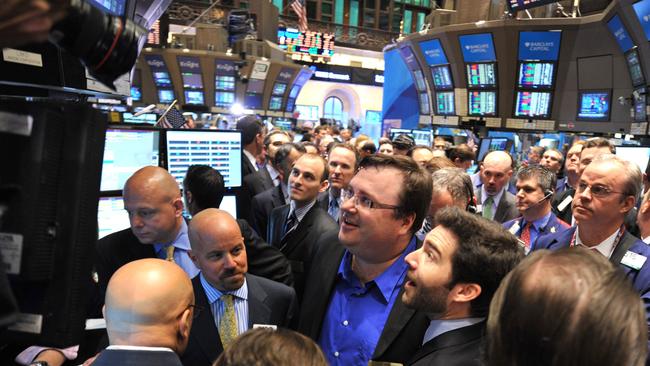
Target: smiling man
{"points": [[452, 279]]}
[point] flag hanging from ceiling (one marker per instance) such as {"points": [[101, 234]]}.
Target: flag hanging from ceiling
{"points": [[300, 9]]}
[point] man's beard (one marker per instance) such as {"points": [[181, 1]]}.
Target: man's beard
{"points": [[430, 300]]}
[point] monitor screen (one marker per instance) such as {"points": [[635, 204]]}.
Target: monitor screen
{"points": [[482, 103], [498, 143], [445, 104], [146, 118], [477, 47], [422, 137], [291, 105], [114, 7], [111, 216], [192, 80], [224, 82], [136, 93], [253, 101], [194, 97], [535, 75], [394, 132], [442, 77], [539, 45], [223, 99], [255, 86], [640, 102], [294, 91], [433, 52], [634, 67], [533, 104], [483, 149], [165, 95], [642, 10], [620, 33], [126, 151], [635, 154], [161, 79], [594, 105], [275, 103], [481, 75], [419, 80], [279, 88], [221, 150], [283, 124], [229, 204], [424, 104]]}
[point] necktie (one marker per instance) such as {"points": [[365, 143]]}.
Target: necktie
{"points": [[228, 322], [525, 234], [333, 209], [169, 253], [427, 226], [291, 223], [487, 208]]}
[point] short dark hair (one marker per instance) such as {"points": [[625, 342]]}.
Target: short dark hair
{"points": [[461, 152], [417, 147], [348, 147], [546, 179], [206, 185], [485, 254], [264, 346], [600, 142], [284, 150], [267, 138], [416, 189], [438, 162], [539, 150], [557, 151], [554, 305]]}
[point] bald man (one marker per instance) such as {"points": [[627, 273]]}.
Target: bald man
{"points": [[234, 301], [496, 202], [149, 309]]}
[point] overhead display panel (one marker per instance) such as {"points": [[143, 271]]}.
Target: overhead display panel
{"points": [[533, 104], [535, 75], [516, 5], [642, 10], [433, 52], [161, 78], [442, 77], [540, 46], [482, 103], [477, 47], [309, 42], [594, 105], [620, 33], [224, 83], [418, 76], [190, 68], [114, 7], [481, 75], [634, 67]]}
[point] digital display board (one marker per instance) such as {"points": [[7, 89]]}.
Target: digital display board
{"points": [[223, 99], [275, 103], [433, 52], [640, 102], [165, 96], [162, 79], [424, 104], [516, 5], [194, 97], [594, 105], [477, 47], [540, 46], [419, 80], [639, 155], [634, 67], [445, 105], [146, 118], [481, 75], [642, 10], [533, 104], [309, 42], [620, 33], [255, 86], [224, 82], [294, 91], [126, 151], [253, 101], [442, 77], [482, 103], [115, 7], [192, 81], [279, 88], [535, 75], [221, 150], [136, 93], [111, 216]]}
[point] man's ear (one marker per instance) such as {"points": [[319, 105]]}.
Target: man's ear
{"points": [[407, 222], [465, 292], [178, 206], [188, 197], [324, 185], [184, 325]]}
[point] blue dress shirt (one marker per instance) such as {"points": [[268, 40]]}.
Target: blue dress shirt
{"points": [[535, 228], [181, 247], [217, 306], [357, 313]]}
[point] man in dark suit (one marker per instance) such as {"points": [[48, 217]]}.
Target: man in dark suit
{"points": [[252, 131], [354, 308], [294, 228], [233, 300], [496, 202], [342, 162], [149, 308], [535, 186], [266, 201], [607, 190], [452, 278]]}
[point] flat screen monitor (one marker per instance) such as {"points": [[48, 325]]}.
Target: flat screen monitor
{"points": [[192, 80], [224, 82], [419, 80], [255, 86], [640, 102], [283, 124], [422, 137], [291, 105], [425, 108], [499, 143], [484, 148], [253, 101], [126, 151], [136, 93], [635, 154], [294, 91], [162, 79], [111, 216], [594, 105], [224, 99], [275, 103], [221, 150], [165, 95], [229, 204], [194, 97], [445, 103], [394, 132], [442, 77], [481, 75], [482, 103], [535, 75], [279, 89], [146, 118], [634, 67], [114, 7], [533, 104]]}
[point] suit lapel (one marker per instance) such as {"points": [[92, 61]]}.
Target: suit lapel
{"points": [[278, 197], [626, 242], [258, 311], [502, 208], [397, 319], [291, 241], [449, 339], [278, 226], [203, 327]]}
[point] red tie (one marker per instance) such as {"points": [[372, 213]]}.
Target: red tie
{"points": [[525, 234]]}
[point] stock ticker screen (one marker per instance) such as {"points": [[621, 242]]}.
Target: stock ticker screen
{"points": [[310, 42]]}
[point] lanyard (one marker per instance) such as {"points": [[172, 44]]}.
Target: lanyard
{"points": [[617, 240]]}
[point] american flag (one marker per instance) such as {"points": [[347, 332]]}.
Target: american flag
{"points": [[173, 119], [299, 8]]}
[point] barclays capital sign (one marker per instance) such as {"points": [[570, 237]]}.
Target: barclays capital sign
{"points": [[542, 46]]}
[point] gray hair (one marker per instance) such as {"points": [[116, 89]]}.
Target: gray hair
{"points": [[633, 178], [455, 181]]}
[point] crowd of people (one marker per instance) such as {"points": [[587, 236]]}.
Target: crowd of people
{"points": [[345, 253]]}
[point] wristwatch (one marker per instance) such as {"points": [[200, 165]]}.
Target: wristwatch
{"points": [[39, 363]]}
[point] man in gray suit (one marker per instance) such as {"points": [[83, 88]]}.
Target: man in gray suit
{"points": [[496, 202]]}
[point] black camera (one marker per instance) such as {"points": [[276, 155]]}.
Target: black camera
{"points": [[108, 45]]}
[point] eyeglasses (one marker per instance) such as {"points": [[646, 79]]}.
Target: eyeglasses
{"points": [[363, 201], [597, 190]]}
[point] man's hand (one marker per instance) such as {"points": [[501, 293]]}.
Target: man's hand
{"points": [[27, 21]]}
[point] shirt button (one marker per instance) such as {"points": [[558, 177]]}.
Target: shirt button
{"points": [[345, 322], [336, 354]]}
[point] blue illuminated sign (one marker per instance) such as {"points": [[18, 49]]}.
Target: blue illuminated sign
{"points": [[433, 52], [477, 47], [620, 33], [642, 10], [409, 58], [543, 46]]}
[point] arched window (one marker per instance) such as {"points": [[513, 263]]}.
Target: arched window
{"points": [[333, 108]]}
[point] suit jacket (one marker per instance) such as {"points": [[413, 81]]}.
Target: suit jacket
{"points": [[506, 210], [403, 330], [262, 205], [112, 357], [258, 182], [269, 302], [246, 166], [565, 215], [117, 249], [298, 245], [553, 226], [459, 347], [323, 200]]}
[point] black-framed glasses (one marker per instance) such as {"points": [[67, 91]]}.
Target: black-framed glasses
{"points": [[597, 190], [363, 201]]}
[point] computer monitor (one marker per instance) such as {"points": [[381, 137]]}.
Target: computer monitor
{"points": [[221, 150], [634, 67], [224, 99], [640, 102], [533, 104], [165, 96], [146, 118], [445, 103], [194, 97], [253, 101], [638, 155], [484, 148], [420, 84], [499, 144], [394, 132], [126, 151], [422, 137], [192, 80], [136, 93], [111, 216], [229, 204], [255, 86], [279, 89], [275, 103], [425, 107], [594, 105], [442, 77], [482, 103], [295, 90], [162, 79], [114, 7], [481, 75], [535, 75], [224, 82], [291, 105]]}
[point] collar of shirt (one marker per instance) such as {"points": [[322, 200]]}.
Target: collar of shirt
{"points": [[387, 281], [139, 348], [214, 295], [333, 197], [538, 224], [440, 326], [275, 176], [302, 211], [251, 158], [495, 199], [181, 241], [606, 247], [646, 240]]}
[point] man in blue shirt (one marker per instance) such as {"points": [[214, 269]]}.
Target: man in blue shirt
{"points": [[353, 305]]}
